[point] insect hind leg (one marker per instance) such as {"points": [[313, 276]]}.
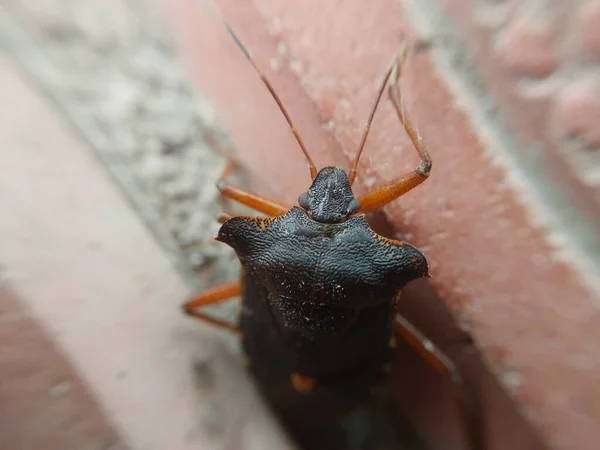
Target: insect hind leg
{"points": [[467, 404]]}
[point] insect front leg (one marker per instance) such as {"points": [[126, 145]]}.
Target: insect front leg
{"points": [[213, 296], [401, 185], [468, 408], [247, 198]]}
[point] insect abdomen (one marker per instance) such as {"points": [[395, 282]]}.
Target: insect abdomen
{"points": [[344, 368]]}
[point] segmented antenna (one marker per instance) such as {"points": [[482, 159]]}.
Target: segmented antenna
{"points": [[313, 168], [352, 173]]}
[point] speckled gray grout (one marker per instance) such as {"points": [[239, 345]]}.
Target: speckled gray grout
{"points": [[121, 87]]}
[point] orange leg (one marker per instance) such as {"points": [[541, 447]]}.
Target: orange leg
{"points": [[469, 411], [212, 296], [250, 199], [401, 185]]}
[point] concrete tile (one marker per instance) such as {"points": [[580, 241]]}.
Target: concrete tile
{"points": [[92, 277]]}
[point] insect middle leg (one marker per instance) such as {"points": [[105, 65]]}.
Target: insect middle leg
{"points": [[247, 198], [213, 296], [468, 410], [401, 185]]}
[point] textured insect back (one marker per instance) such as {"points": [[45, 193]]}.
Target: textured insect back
{"points": [[405, 260], [247, 235]]}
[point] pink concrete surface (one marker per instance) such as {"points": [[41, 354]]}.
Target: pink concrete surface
{"points": [[44, 402], [532, 316], [95, 350]]}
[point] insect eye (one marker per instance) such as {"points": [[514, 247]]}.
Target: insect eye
{"points": [[353, 206], [303, 200]]}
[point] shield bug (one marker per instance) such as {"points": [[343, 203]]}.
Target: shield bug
{"points": [[319, 289]]}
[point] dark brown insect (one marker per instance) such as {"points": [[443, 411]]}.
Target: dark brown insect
{"points": [[319, 289]]}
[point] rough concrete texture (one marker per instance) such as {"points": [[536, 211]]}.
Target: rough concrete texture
{"points": [[96, 353], [509, 217], [117, 81]]}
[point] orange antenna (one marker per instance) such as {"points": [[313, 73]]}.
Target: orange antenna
{"points": [[313, 168], [352, 173]]}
